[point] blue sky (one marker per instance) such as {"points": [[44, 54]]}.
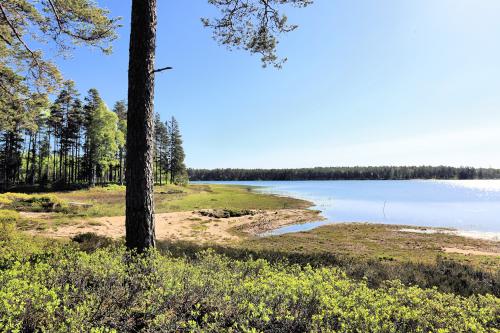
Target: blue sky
{"points": [[368, 82]]}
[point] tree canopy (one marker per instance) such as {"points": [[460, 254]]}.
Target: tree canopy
{"points": [[253, 26]]}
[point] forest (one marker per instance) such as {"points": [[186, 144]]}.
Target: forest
{"points": [[345, 173], [75, 143]]}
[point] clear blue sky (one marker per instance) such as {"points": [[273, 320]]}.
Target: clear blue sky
{"points": [[368, 82]]}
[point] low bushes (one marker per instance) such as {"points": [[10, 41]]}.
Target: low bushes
{"points": [[90, 241], [447, 275], [226, 213], [33, 202], [8, 220], [66, 290]]}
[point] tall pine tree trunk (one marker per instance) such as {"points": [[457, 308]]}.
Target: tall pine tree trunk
{"points": [[33, 159], [27, 176], [140, 228]]}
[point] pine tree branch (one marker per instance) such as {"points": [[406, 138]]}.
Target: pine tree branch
{"points": [[62, 29], [161, 69], [16, 33]]}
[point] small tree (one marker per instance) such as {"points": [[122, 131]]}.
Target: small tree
{"points": [[178, 173]]}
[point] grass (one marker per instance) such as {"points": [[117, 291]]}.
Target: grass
{"points": [[106, 202], [379, 242]]}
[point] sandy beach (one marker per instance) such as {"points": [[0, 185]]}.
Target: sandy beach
{"points": [[192, 225]]}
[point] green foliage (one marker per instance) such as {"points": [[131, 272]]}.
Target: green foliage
{"points": [[8, 220], [222, 197], [104, 134], [177, 168], [227, 213], [447, 275], [65, 290], [111, 188], [90, 241], [34, 202], [4, 201], [25, 24], [253, 26]]}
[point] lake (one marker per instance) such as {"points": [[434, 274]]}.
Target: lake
{"points": [[466, 205]]}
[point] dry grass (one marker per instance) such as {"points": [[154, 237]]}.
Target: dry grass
{"points": [[381, 242]]}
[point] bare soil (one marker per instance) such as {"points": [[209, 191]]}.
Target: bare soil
{"points": [[192, 226]]}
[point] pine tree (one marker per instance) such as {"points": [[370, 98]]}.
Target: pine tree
{"points": [[139, 220], [161, 148], [63, 128], [253, 25], [76, 121], [103, 135], [120, 109], [164, 141], [92, 102], [178, 173]]}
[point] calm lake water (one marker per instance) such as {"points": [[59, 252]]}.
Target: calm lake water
{"points": [[467, 205]]}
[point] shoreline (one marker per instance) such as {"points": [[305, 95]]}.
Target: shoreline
{"points": [[472, 234], [484, 235]]}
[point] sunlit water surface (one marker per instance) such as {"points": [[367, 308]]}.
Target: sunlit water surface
{"points": [[466, 205]]}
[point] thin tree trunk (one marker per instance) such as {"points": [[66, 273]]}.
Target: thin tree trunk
{"points": [[160, 172], [40, 158], [26, 177], [33, 159], [77, 169], [140, 228], [121, 166]]}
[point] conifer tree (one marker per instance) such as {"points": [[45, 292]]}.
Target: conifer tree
{"points": [[120, 109], [253, 25], [178, 173], [92, 102]]}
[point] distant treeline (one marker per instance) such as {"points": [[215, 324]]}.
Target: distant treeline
{"points": [[346, 173]]}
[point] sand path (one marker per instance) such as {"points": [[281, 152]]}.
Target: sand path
{"points": [[470, 252], [192, 226]]}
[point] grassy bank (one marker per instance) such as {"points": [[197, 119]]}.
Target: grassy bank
{"points": [[380, 242], [110, 201]]}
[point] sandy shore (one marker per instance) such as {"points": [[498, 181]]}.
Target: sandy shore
{"points": [[491, 236], [192, 226], [196, 227]]}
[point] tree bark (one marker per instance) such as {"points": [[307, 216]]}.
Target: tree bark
{"points": [[140, 228]]}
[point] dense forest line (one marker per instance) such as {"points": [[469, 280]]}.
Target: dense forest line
{"points": [[346, 173], [71, 142]]}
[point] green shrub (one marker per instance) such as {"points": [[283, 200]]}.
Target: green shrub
{"points": [[4, 201], [112, 187], [447, 275], [8, 220], [226, 213], [90, 241], [34, 202], [73, 291]]}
